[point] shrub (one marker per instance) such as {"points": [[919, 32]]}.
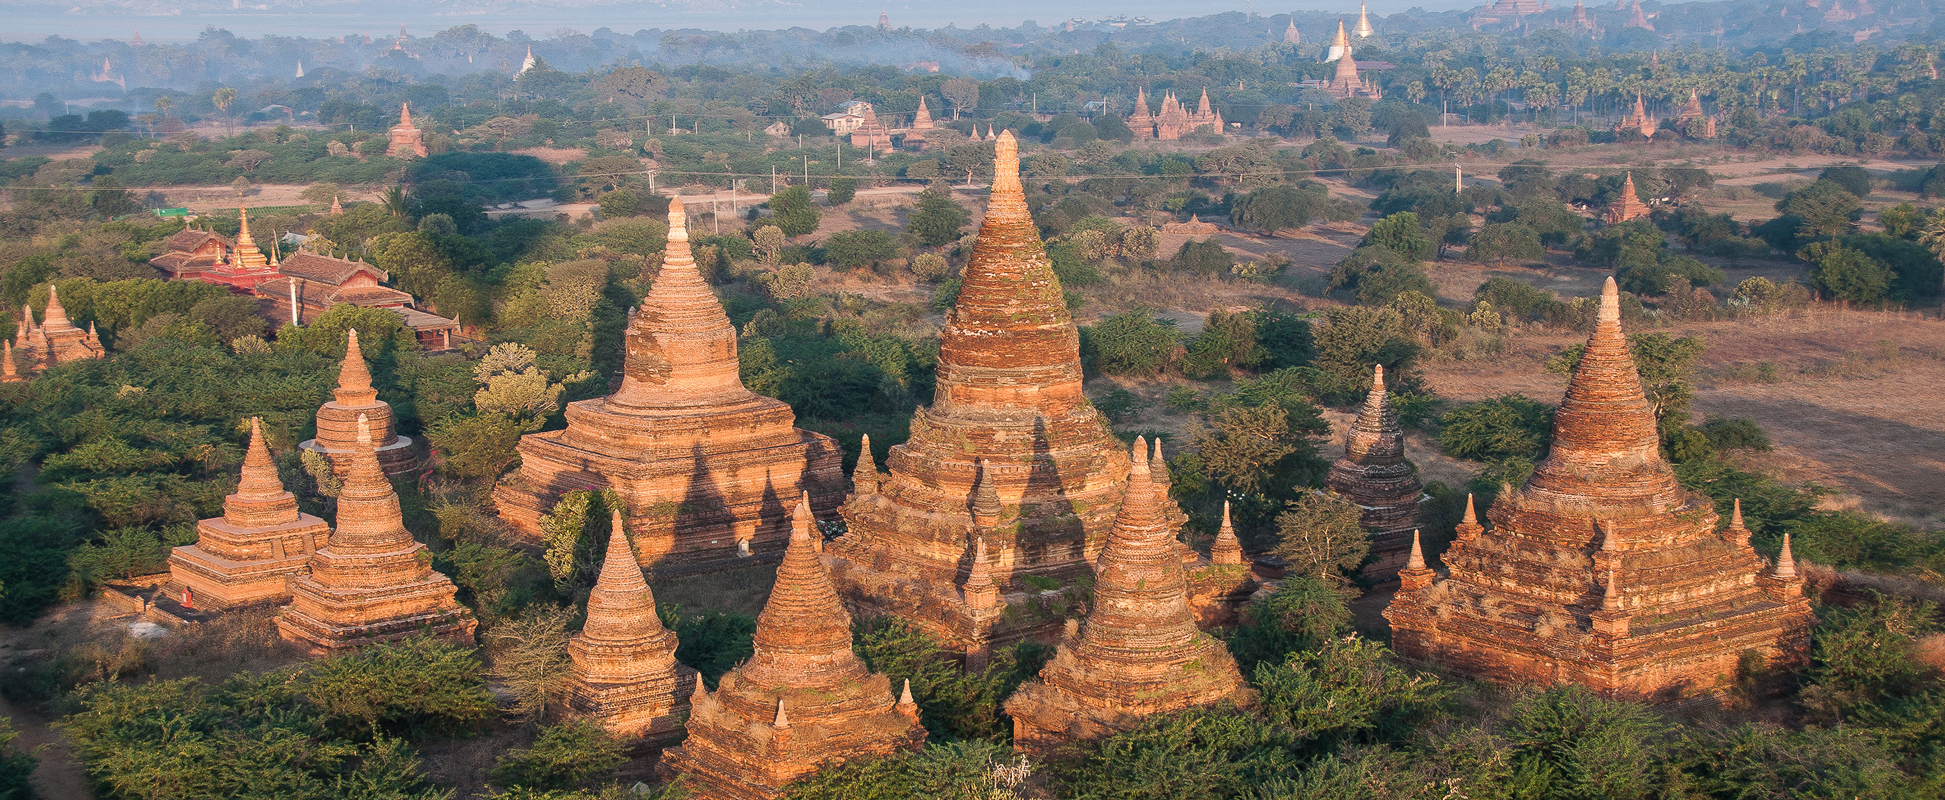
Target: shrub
{"points": [[1402, 234], [1133, 343], [1582, 746], [417, 686], [794, 212], [1347, 690], [860, 249], [1511, 426], [1206, 257], [713, 643], [1737, 433], [942, 770], [1499, 243], [572, 754], [953, 703], [842, 191], [1867, 654], [1855, 180], [1845, 274], [937, 220], [16, 766], [1300, 616], [1117, 404]]}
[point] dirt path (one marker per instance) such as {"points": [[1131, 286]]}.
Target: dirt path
{"points": [[58, 777]]}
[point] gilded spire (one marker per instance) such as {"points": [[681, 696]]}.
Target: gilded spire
{"points": [[681, 347], [354, 378], [1606, 448], [247, 254], [1364, 29], [1342, 39]]}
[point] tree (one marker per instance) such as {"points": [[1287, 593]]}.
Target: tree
{"points": [[1353, 339], [573, 754], [1205, 257], [1855, 180], [529, 655], [415, 262], [794, 212], [512, 385], [222, 99], [414, 686], [842, 191], [863, 249], [938, 220], [962, 93], [1402, 233], [1511, 426], [395, 200], [1321, 536], [1845, 274], [767, 241], [476, 448], [1278, 208], [1500, 242], [637, 84], [1825, 209], [1131, 343]]}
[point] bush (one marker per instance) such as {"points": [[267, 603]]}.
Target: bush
{"points": [[1659, 277], [1133, 343], [1737, 433], [943, 770], [954, 704], [1865, 655], [842, 191], [1522, 300], [1347, 690], [1511, 426], [1582, 746], [1855, 180], [1845, 274], [860, 249], [937, 220], [1300, 616], [1206, 257], [418, 686], [794, 212], [16, 766], [1499, 243], [570, 755], [1402, 234], [713, 643]]}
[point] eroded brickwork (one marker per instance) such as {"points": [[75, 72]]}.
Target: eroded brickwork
{"points": [[1375, 475], [249, 554], [625, 675], [705, 466], [1602, 570]]}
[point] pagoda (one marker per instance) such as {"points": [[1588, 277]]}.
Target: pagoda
{"points": [[1340, 45], [1142, 121], [1602, 570], [1346, 83], [703, 464], [1375, 475], [56, 340], [1139, 653], [373, 582], [407, 141], [1364, 29], [624, 673], [355, 399], [1008, 411], [246, 267], [249, 554], [9, 372], [1626, 206], [802, 699], [1290, 34]]}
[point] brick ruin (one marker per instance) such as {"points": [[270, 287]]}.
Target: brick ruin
{"points": [[248, 555], [53, 342], [1602, 570], [1139, 653], [372, 582], [624, 672], [704, 465], [1375, 475], [802, 700], [1008, 411], [355, 399]]}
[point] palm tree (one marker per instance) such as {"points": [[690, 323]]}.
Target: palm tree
{"points": [[164, 104], [223, 98], [395, 200]]}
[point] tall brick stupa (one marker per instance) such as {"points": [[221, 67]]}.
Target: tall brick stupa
{"points": [[705, 466], [373, 582], [250, 554], [1139, 653], [354, 398], [1008, 412], [625, 675], [1375, 475], [1602, 570], [802, 700]]}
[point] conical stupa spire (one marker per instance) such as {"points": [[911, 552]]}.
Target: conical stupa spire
{"points": [[55, 316], [354, 378], [864, 476], [8, 372], [1376, 437], [1785, 562], [405, 114], [369, 518], [259, 481], [782, 720], [1416, 561], [1342, 39], [621, 606], [1611, 595], [906, 705], [681, 347], [979, 589], [1158, 470], [1364, 29], [985, 505], [803, 629], [1141, 594], [1227, 550], [1606, 448], [1470, 518]]}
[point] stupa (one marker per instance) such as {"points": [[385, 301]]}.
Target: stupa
{"points": [[1626, 206], [1602, 570], [337, 419], [802, 699], [1139, 653], [373, 582], [1008, 411], [56, 340], [704, 465], [1375, 475], [248, 555], [625, 675], [1340, 45], [407, 141]]}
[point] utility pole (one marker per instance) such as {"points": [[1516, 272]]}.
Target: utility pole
{"points": [[773, 179]]}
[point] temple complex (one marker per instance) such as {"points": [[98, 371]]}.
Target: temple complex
{"points": [[191, 251], [1174, 120], [802, 699], [407, 141], [1626, 206], [1008, 412], [373, 582], [1602, 570], [249, 554], [1346, 83], [1692, 122], [244, 268], [704, 465], [354, 401], [624, 673], [55, 340], [1139, 653], [1638, 120], [1375, 475]]}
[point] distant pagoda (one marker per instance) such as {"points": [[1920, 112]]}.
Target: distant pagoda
{"points": [[1008, 412], [1139, 653], [373, 582], [353, 399], [1602, 570], [248, 555], [703, 464], [803, 699], [1626, 206], [1375, 475], [406, 141]]}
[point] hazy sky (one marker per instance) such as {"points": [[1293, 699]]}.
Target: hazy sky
{"points": [[29, 25]]}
